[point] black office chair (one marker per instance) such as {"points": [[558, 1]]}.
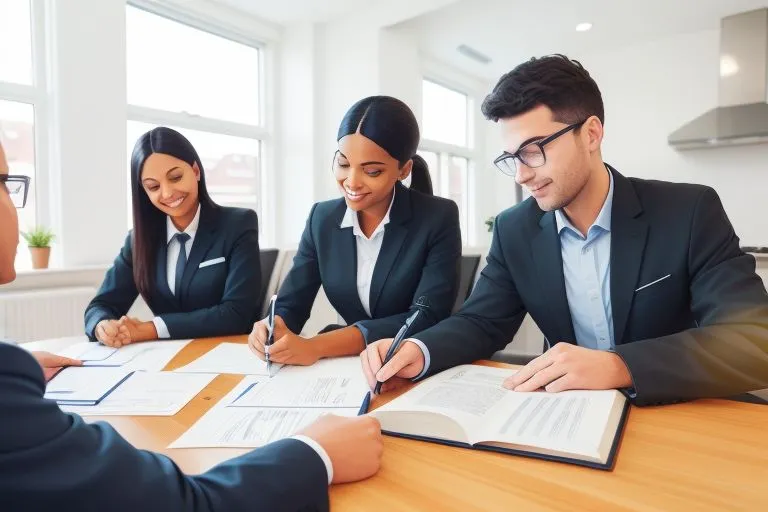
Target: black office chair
{"points": [[268, 259], [469, 264]]}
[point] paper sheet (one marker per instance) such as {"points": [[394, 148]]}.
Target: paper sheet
{"points": [[250, 427], [150, 356], [234, 358], [148, 394]]}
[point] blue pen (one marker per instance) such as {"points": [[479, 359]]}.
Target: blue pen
{"points": [[271, 336], [421, 305]]}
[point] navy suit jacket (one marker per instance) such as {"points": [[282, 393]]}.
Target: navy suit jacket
{"points": [[420, 256], [50, 460], [701, 332], [215, 300]]}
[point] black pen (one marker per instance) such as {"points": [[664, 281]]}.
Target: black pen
{"points": [[421, 305]]}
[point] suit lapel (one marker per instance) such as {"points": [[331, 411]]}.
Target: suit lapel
{"points": [[204, 237], [628, 237], [394, 236], [161, 275], [549, 265]]}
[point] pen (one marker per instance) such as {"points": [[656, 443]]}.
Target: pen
{"points": [[271, 336], [401, 335]]}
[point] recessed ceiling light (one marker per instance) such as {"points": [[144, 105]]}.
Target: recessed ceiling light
{"points": [[583, 27]]}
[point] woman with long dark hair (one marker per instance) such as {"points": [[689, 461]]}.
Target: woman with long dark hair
{"points": [[376, 251], [195, 263]]}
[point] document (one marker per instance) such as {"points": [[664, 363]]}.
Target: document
{"points": [[468, 405], [229, 358], [84, 385], [261, 410], [148, 394], [150, 356]]}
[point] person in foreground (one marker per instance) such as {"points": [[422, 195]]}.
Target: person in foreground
{"points": [[195, 263], [50, 460], [637, 285], [377, 250]]}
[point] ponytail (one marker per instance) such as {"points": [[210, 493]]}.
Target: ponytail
{"points": [[420, 178]]}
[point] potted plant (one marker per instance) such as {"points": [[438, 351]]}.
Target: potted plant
{"points": [[39, 241], [489, 223]]}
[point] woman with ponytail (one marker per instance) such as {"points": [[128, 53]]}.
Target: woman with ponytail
{"points": [[376, 251]]}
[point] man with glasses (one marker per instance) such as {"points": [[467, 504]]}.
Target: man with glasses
{"points": [[637, 285], [51, 460]]}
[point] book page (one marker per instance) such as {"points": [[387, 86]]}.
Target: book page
{"points": [[466, 394], [148, 394], [570, 421]]}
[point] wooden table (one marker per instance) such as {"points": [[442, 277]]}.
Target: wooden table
{"points": [[704, 455]]}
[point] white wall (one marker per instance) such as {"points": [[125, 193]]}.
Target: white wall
{"points": [[88, 112], [652, 89]]}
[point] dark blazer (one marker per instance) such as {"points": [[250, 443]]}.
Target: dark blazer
{"points": [[702, 332], [50, 460], [420, 256], [215, 300]]}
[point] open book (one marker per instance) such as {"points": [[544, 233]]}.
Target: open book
{"points": [[467, 406]]}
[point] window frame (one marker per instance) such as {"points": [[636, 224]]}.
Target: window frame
{"points": [[447, 151], [263, 131]]}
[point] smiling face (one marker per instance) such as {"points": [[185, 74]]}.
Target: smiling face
{"points": [[172, 186], [366, 173], [567, 169]]}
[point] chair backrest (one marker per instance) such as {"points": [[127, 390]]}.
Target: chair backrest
{"points": [[469, 264], [269, 258]]}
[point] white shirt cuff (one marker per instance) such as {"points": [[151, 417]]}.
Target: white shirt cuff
{"points": [[320, 451], [161, 328], [425, 351]]}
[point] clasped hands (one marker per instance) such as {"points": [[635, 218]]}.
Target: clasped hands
{"points": [[126, 330]]}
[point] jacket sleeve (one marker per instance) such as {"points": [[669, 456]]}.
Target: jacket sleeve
{"points": [[439, 282], [487, 321], [728, 352], [299, 289], [117, 293], [49, 458], [237, 310]]}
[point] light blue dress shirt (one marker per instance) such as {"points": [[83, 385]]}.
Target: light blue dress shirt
{"points": [[587, 273]]}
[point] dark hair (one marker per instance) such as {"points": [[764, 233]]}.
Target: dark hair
{"points": [[389, 123], [149, 222], [555, 81]]}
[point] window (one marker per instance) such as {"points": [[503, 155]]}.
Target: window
{"points": [[22, 105], [446, 146], [207, 87]]}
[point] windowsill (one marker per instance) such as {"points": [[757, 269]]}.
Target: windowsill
{"points": [[85, 276]]}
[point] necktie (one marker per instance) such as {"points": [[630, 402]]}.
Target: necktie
{"points": [[181, 262]]}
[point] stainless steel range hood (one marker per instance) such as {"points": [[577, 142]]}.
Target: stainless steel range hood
{"points": [[742, 114]]}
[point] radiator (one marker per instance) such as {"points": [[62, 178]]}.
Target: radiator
{"points": [[32, 315]]}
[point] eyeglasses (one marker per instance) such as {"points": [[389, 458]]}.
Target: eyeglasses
{"points": [[531, 155], [18, 188]]}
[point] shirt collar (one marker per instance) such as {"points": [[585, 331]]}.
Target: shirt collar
{"points": [[350, 220], [603, 219], [191, 229]]}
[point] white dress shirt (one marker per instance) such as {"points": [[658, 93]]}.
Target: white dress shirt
{"points": [[174, 248], [368, 249]]}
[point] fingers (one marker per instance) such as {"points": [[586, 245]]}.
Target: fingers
{"points": [[528, 371], [405, 363], [370, 376], [109, 328], [278, 347], [56, 360], [541, 378], [258, 337]]}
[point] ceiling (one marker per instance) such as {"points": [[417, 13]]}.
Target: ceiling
{"points": [[510, 31], [293, 11]]}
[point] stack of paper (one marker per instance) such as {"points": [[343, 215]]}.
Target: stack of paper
{"points": [[84, 385], [148, 394]]}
